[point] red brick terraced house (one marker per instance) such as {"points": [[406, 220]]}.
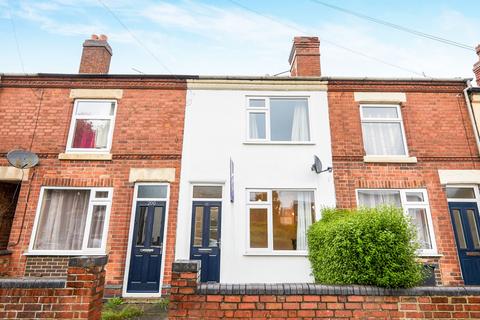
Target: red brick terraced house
{"points": [[110, 149], [413, 143]]}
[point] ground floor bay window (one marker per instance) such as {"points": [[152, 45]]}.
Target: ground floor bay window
{"points": [[414, 203], [71, 221], [278, 220]]}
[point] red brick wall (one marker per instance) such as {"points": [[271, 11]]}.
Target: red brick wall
{"points": [[4, 263], [46, 266], [8, 202], [148, 134], [79, 298], [438, 133], [187, 301]]}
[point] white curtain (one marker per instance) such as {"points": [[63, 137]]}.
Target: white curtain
{"points": [[373, 198], [300, 130], [101, 128], [96, 228], [253, 127], [62, 220], [419, 219], [383, 138], [304, 214]]}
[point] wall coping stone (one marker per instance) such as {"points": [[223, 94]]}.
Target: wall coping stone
{"points": [[319, 289], [88, 261], [32, 282], [186, 266], [5, 252]]}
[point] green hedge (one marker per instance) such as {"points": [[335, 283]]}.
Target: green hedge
{"points": [[364, 246]]}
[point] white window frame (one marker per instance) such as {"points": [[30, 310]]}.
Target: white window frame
{"points": [[385, 120], [130, 239], [425, 204], [269, 251], [71, 131], [206, 184], [91, 202], [266, 111], [475, 191]]}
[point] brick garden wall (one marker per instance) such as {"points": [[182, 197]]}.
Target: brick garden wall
{"points": [[192, 300], [79, 296], [438, 132], [46, 266], [148, 133]]}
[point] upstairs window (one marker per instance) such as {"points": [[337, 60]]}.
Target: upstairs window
{"points": [[383, 133], [278, 120], [92, 125]]}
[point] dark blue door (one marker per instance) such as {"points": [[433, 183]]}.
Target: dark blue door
{"points": [[466, 224], [147, 246], [205, 238]]}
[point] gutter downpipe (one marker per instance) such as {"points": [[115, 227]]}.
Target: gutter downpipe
{"points": [[470, 113]]}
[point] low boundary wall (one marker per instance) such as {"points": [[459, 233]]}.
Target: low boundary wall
{"points": [[78, 296], [192, 300]]}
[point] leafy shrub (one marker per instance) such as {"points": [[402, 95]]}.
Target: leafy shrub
{"points": [[114, 309], [367, 246]]}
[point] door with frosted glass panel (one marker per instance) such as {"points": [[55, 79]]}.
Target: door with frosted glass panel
{"points": [[466, 224], [147, 247], [205, 238]]}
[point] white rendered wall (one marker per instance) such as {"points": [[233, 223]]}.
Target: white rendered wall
{"points": [[215, 131]]}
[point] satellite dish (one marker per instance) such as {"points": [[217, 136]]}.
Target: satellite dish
{"points": [[317, 166], [22, 159]]}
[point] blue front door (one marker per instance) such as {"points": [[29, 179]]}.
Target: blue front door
{"points": [[466, 224], [147, 247], [205, 238]]}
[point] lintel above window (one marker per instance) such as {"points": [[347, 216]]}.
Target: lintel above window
{"points": [[91, 127], [278, 120]]}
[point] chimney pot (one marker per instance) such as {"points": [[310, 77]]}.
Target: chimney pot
{"points": [[305, 57], [476, 66], [96, 55]]}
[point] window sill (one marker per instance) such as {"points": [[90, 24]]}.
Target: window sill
{"points": [[63, 253], [306, 143], [85, 156], [390, 159], [429, 255], [277, 253]]}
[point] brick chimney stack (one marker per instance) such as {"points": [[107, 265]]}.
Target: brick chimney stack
{"points": [[476, 66], [96, 55], [305, 57]]}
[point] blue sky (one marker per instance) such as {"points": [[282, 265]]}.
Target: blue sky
{"points": [[219, 37]]}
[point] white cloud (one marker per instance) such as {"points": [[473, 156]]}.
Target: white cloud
{"points": [[195, 38], [231, 24]]}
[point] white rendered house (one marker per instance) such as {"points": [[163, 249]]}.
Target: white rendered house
{"points": [[247, 191]]}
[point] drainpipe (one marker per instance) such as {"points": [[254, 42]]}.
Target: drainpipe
{"points": [[470, 113]]}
